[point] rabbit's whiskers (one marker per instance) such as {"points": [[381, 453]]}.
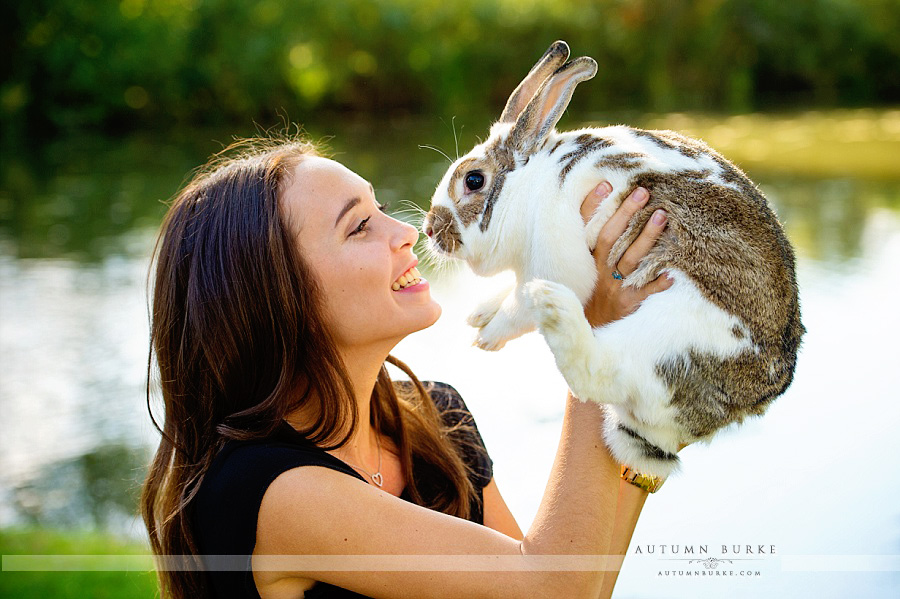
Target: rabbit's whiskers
{"points": [[411, 207], [455, 138], [438, 150]]}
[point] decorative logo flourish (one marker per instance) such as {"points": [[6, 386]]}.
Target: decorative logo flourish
{"points": [[710, 562]]}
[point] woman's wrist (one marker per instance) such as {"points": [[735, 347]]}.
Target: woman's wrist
{"points": [[590, 410]]}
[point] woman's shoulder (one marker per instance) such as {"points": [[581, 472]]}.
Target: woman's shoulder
{"points": [[225, 510], [243, 470], [240, 464]]}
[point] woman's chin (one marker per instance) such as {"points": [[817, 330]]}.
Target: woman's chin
{"points": [[414, 312], [433, 317], [425, 317]]}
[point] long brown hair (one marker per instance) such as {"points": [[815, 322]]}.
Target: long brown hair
{"points": [[238, 342]]}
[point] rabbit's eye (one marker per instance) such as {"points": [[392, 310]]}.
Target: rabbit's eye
{"points": [[474, 181]]}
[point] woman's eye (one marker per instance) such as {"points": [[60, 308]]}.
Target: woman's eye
{"points": [[362, 226], [474, 181]]}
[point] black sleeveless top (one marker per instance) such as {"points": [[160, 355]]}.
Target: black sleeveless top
{"points": [[226, 508]]}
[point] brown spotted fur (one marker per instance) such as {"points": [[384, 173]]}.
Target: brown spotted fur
{"points": [[738, 256], [446, 233], [585, 144]]}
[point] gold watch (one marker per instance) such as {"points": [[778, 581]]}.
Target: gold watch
{"points": [[648, 483]]}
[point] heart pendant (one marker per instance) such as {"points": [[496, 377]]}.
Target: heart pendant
{"points": [[376, 478]]}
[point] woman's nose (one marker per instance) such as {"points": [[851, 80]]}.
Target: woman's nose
{"points": [[406, 235]]}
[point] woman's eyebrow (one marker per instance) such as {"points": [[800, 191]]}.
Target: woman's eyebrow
{"points": [[347, 208]]}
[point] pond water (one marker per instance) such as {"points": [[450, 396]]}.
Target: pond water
{"points": [[815, 481]]}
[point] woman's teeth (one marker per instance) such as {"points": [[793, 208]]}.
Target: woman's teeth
{"points": [[410, 277]]}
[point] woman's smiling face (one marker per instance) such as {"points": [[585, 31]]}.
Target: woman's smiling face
{"points": [[358, 254]]}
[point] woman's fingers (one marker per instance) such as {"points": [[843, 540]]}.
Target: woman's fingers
{"points": [[593, 199], [660, 283], [641, 246], [618, 222], [610, 299]]}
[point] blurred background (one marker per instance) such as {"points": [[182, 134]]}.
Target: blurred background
{"points": [[106, 107]]}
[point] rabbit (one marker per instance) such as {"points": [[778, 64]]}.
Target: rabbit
{"points": [[718, 345]]}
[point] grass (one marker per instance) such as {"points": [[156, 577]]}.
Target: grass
{"points": [[73, 584]]}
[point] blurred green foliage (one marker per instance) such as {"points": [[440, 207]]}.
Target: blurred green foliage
{"points": [[89, 198], [97, 490], [118, 65]]}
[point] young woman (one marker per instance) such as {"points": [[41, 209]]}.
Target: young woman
{"points": [[280, 288]]}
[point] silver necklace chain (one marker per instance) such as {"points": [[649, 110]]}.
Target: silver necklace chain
{"points": [[376, 478]]}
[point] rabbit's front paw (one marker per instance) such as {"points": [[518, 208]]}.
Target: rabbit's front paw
{"points": [[555, 307], [483, 314], [568, 334], [487, 310]]}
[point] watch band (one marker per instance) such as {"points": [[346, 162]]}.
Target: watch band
{"points": [[651, 484]]}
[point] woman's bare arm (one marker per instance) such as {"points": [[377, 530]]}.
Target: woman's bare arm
{"points": [[628, 509], [313, 511]]}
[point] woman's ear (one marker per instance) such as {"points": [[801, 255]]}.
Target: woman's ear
{"points": [[553, 58], [545, 108]]}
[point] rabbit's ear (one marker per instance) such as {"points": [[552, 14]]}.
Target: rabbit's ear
{"points": [[546, 107], [552, 59]]}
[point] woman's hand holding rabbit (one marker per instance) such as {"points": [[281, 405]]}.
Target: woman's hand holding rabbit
{"points": [[610, 300]]}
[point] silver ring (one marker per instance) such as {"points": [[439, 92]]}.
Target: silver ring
{"points": [[617, 275]]}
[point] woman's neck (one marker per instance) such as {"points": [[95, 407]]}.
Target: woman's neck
{"points": [[363, 365]]}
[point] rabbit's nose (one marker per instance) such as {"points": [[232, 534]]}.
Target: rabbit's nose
{"points": [[429, 230]]}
